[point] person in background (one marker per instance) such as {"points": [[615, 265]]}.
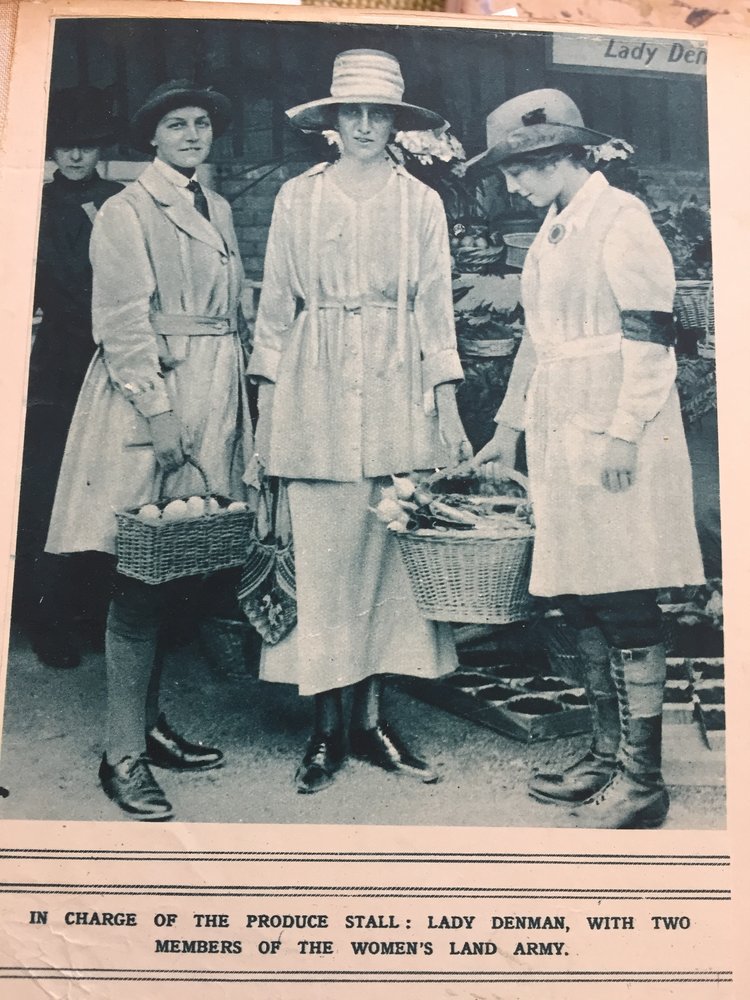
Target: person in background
{"points": [[593, 387], [48, 594], [355, 350], [167, 386]]}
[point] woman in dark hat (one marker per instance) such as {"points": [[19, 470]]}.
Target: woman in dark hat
{"points": [[166, 383], [356, 353], [80, 125], [593, 387]]}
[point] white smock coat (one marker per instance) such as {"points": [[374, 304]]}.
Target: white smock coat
{"points": [[167, 321], [597, 291], [355, 329]]}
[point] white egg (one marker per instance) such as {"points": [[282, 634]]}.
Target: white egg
{"points": [[175, 510], [196, 506], [236, 505], [212, 506], [149, 512]]}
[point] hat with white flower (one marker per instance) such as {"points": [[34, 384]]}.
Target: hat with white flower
{"points": [[365, 76], [539, 119]]}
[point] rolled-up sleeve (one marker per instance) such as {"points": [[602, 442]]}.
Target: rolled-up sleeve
{"points": [[433, 305], [123, 289], [277, 299], [640, 272]]}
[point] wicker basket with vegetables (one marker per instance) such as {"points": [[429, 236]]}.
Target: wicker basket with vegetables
{"points": [[468, 557]]}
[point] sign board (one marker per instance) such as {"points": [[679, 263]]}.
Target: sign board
{"points": [[649, 56]]}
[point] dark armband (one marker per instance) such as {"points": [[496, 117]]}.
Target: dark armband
{"points": [[649, 326]]}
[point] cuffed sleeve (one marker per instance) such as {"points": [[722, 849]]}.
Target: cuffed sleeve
{"points": [[641, 275], [277, 306], [512, 410], [433, 305], [444, 366], [124, 286]]}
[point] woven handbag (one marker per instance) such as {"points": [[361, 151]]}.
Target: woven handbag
{"points": [[159, 549], [268, 589]]}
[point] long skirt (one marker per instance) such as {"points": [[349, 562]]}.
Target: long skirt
{"points": [[356, 612]]}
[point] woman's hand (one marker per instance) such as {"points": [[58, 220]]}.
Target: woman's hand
{"points": [[170, 440], [618, 473], [499, 450], [451, 428], [498, 455]]}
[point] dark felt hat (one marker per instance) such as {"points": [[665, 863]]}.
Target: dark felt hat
{"points": [[81, 116], [170, 96]]}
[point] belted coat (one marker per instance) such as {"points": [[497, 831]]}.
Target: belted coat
{"points": [[167, 322], [596, 361], [355, 329]]}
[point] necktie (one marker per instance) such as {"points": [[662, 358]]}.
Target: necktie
{"points": [[199, 198]]}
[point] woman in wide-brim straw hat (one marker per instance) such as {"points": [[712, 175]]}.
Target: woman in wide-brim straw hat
{"points": [[165, 384], [593, 387], [356, 352]]}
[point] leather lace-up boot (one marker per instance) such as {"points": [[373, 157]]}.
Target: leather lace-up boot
{"points": [[592, 771], [636, 796]]}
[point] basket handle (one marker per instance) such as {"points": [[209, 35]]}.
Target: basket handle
{"points": [[467, 470], [273, 517], [188, 461]]}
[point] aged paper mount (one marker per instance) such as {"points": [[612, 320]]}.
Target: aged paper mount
{"points": [[340, 883]]}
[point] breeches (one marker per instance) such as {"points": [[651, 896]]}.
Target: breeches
{"points": [[138, 610], [629, 619]]}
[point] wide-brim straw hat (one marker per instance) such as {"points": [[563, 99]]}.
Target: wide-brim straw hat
{"points": [[539, 119], [81, 116], [365, 76], [170, 96]]}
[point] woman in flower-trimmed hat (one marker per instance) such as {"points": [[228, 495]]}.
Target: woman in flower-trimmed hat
{"points": [[593, 387], [166, 385], [356, 354]]}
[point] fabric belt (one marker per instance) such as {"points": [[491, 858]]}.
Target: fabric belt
{"points": [[582, 347], [355, 306], [185, 325]]}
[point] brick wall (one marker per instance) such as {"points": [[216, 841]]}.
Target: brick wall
{"points": [[251, 193]]}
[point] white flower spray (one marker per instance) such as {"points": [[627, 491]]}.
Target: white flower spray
{"points": [[613, 149], [426, 147], [333, 138]]}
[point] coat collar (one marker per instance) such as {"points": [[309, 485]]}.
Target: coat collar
{"points": [[179, 210], [576, 213]]}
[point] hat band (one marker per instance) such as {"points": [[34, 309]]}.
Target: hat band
{"points": [[362, 75], [357, 89], [551, 132]]}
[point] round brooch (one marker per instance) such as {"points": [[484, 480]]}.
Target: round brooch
{"points": [[556, 233]]}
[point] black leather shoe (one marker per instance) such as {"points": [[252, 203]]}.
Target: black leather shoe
{"points": [[323, 757], [166, 748], [57, 648], [382, 748], [132, 786]]}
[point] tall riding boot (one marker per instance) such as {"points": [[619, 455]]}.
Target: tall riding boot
{"points": [[636, 797], [592, 771]]}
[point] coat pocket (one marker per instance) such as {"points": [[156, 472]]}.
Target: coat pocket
{"points": [[584, 445]]}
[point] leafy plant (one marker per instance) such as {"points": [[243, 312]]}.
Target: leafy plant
{"points": [[486, 322]]}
